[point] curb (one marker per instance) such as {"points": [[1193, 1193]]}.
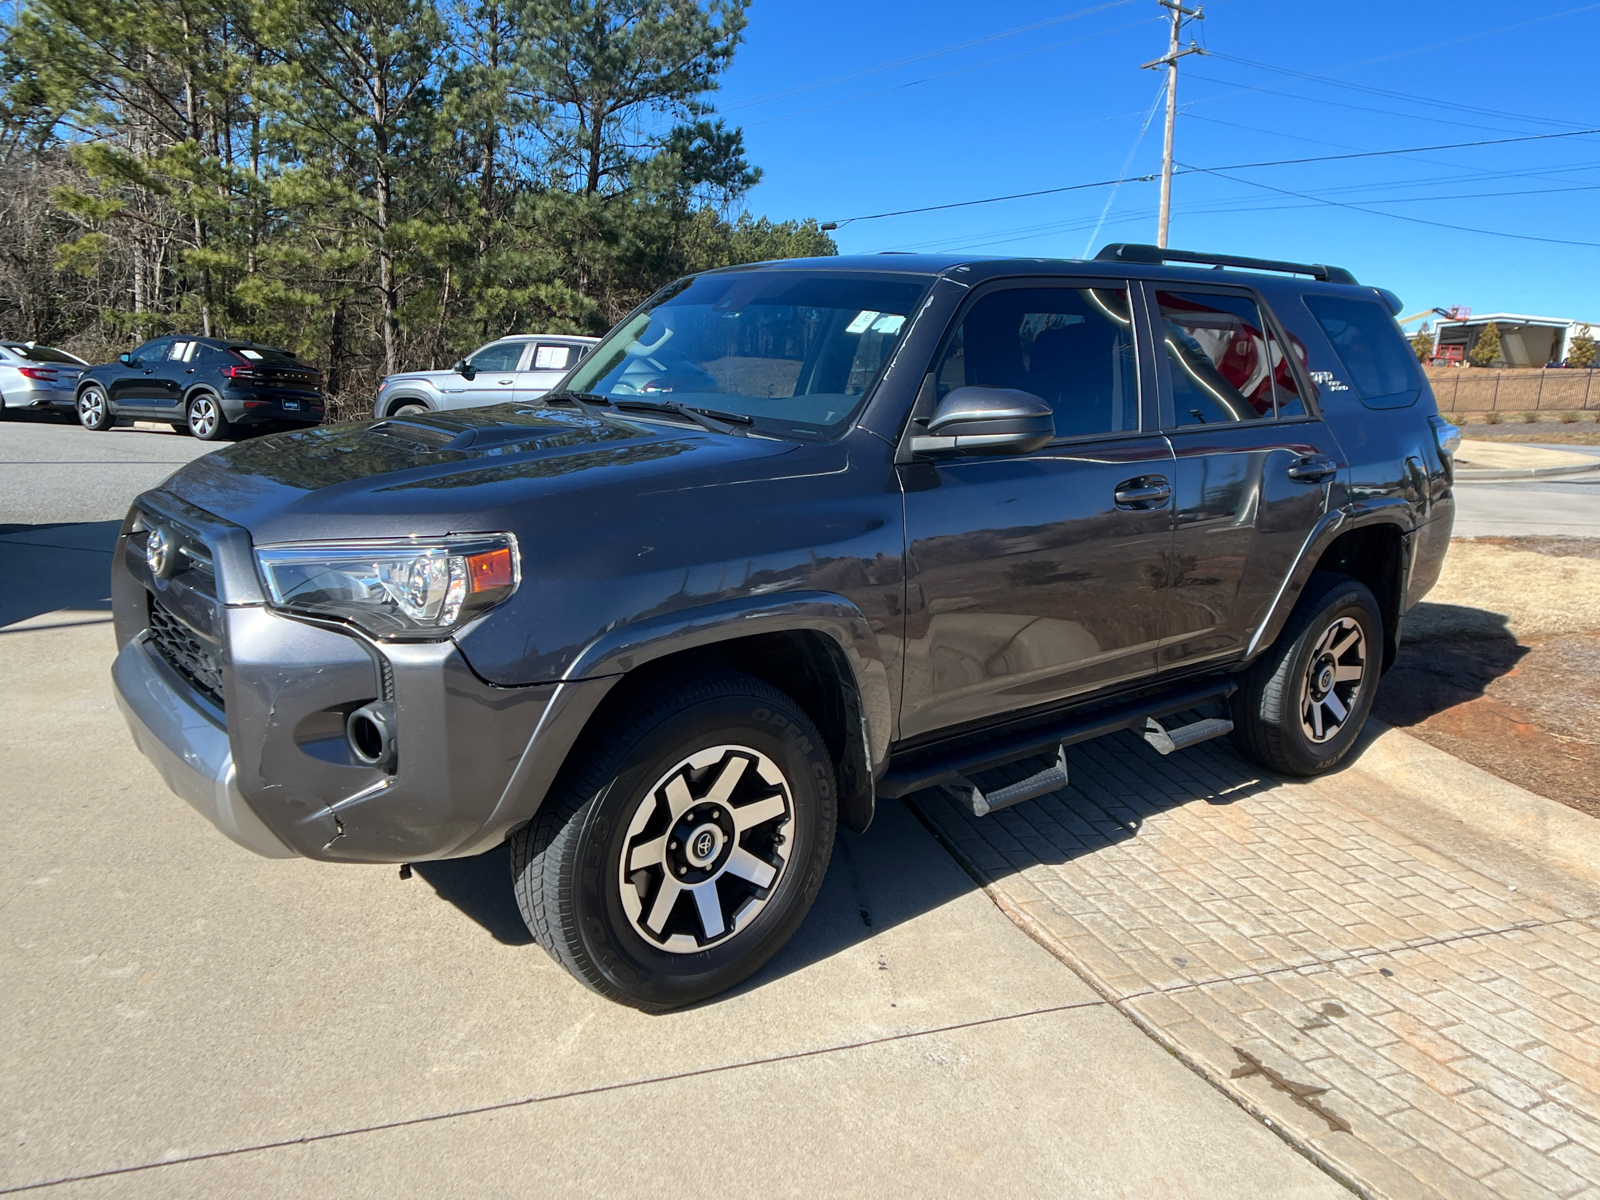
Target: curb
{"points": [[1542, 829], [1486, 474]]}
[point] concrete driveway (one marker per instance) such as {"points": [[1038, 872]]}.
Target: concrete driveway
{"points": [[182, 1018]]}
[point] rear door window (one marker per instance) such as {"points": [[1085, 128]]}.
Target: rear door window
{"points": [[1377, 360], [1220, 357], [550, 357], [1073, 347]]}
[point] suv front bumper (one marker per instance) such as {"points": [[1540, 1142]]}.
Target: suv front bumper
{"points": [[189, 749], [242, 710]]}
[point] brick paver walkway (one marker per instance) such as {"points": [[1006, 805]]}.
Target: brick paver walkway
{"points": [[1417, 1027]]}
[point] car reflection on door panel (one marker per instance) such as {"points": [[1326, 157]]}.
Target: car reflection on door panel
{"points": [[1039, 576], [1253, 467]]}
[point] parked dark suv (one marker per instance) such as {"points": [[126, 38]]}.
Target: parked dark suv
{"points": [[794, 538], [208, 386]]}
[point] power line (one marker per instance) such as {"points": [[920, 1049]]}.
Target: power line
{"points": [[849, 76], [1522, 237], [1281, 162], [942, 75]]}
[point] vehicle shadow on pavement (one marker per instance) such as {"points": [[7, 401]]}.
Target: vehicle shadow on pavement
{"points": [[480, 887], [45, 568], [1451, 655]]}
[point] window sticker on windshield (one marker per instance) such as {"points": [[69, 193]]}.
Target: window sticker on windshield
{"points": [[889, 323], [862, 319]]}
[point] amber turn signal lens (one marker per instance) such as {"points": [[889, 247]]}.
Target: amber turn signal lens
{"points": [[489, 570]]}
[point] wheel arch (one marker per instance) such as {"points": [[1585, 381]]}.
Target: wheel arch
{"points": [[1375, 548], [815, 647], [392, 402]]}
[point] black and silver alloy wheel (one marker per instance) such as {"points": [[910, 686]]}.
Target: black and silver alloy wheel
{"points": [[705, 848], [678, 853], [1333, 678], [1302, 704], [206, 421], [94, 410]]}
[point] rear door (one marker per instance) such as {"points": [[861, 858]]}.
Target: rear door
{"points": [[1254, 463], [1035, 577], [542, 369]]}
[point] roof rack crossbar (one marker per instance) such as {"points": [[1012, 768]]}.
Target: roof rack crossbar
{"points": [[1135, 252]]}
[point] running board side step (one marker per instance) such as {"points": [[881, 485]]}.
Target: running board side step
{"points": [[981, 804], [934, 767], [1168, 741]]}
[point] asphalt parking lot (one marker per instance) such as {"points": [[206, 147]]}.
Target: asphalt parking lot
{"points": [[182, 1018]]}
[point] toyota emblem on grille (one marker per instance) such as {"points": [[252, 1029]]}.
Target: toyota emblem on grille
{"points": [[158, 553]]}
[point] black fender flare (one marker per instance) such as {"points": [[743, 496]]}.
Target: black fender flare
{"points": [[603, 664], [1393, 511]]}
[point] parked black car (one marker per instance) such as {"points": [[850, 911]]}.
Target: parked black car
{"points": [[211, 387], [794, 538]]}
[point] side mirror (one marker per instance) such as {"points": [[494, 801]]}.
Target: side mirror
{"points": [[988, 420], [125, 358], [464, 369]]}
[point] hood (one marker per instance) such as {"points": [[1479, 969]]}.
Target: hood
{"points": [[469, 471]]}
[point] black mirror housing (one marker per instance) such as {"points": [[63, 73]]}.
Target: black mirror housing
{"points": [[464, 369], [988, 420]]}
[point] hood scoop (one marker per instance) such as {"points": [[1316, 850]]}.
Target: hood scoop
{"points": [[480, 437]]}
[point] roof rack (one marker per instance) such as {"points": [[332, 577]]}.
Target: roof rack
{"points": [[1134, 252]]}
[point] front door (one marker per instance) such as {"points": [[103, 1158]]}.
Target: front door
{"points": [[494, 376], [1036, 577], [1254, 466], [135, 384]]}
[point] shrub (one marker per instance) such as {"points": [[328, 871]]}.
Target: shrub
{"points": [[1568, 418], [1581, 352], [1485, 351], [1493, 418]]}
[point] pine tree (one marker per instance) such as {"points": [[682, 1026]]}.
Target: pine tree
{"points": [[1485, 351], [1422, 344], [1581, 352]]}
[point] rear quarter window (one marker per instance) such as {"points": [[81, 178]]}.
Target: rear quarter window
{"points": [[1377, 362]]}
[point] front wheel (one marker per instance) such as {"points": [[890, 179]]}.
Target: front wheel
{"points": [[206, 419], [1301, 706], [94, 410], [684, 849]]}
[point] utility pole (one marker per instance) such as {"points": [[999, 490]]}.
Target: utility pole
{"points": [[1170, 61]]}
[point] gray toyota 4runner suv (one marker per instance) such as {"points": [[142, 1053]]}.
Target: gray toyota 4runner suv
{"points": [[795, 538]]}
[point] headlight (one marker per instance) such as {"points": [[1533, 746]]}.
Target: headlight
{"points": [[410, 589]]}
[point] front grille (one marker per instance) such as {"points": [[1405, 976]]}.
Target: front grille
{"points": [[190, 655]]}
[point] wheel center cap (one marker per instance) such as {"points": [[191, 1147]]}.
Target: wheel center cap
{"points": [[704, 844], [1325, 678]]}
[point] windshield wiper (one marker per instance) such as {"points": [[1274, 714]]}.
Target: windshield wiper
{"points": [[707, 418], [590, 402]]}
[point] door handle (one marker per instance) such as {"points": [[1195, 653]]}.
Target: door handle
{"points": [[1143, 493], [505, 382], [1314, 468]]}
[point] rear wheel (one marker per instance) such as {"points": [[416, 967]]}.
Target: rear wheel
{"points": [[94, 410], [1301, 706], [206, 419], [409, 410], [680, 853]]}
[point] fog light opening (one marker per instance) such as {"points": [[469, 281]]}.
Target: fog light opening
{"points": [[371, 734]]}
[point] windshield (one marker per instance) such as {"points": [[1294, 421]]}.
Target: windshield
{"points": [[795, 351]]}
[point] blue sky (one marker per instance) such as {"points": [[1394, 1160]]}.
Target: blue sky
{"points": [[844, 126]]}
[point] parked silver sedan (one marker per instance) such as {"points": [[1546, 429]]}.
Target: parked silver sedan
{"points": [[34, 376], [521, 367]]}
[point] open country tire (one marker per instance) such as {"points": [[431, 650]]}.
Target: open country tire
{"points": [[685, 847], [1301, 706], [94, 409], [409, 410], [206, 419]]}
